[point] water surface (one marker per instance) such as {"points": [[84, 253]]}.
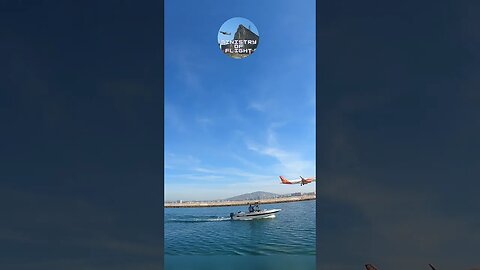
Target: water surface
{"points": [[210, 231]]}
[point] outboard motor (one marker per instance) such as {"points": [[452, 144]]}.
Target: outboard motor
{"points": [[231, 215]]}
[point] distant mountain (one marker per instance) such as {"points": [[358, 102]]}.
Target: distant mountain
{"points": [[258, 195]]}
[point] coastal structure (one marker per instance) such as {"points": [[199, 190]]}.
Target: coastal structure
{"points": [[304, 197]]}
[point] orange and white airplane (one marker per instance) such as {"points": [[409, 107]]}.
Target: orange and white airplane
{"points": [[302, 181]]}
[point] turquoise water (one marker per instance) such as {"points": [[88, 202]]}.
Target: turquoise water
{"points": [[209, 231]]}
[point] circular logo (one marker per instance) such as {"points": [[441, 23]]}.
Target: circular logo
{"points": [[238, 38]]}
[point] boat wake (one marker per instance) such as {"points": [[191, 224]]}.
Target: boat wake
{"points": [[265, 217], [188, 219]]}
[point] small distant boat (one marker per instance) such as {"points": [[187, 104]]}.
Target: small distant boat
{"points": [[257, 214]]}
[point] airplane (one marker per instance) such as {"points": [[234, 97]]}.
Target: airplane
{"points": [[225, 33], [302, 181]]}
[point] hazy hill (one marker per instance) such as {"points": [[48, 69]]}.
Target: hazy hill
{"points": [[253, 196]]}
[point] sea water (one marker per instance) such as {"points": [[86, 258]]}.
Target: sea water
{"points": [[206, 238]]}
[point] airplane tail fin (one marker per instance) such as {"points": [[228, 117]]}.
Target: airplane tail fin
{"points": [[370, 267], [284, 180]]}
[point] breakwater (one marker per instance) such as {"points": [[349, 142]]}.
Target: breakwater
{"points": [[234, 203]]}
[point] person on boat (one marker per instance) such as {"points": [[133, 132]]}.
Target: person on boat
{"points": [[257, 208], [250, 208]]}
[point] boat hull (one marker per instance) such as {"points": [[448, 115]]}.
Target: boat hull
{"points": [[254, 215]]}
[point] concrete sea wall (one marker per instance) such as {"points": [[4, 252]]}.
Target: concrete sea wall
{"points": [[245, 202]]}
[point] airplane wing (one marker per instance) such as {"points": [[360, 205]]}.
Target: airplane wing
{"points": [[308, 180]]}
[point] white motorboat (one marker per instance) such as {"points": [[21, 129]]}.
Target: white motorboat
{"points": [[257, 214]]}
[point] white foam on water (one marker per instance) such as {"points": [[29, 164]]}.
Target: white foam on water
{"points": [[198, 219]]}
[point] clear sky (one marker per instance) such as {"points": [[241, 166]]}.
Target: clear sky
{"points": [[234, 125]]}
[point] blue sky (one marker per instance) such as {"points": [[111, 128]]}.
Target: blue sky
{"points": [[232, 126]]}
